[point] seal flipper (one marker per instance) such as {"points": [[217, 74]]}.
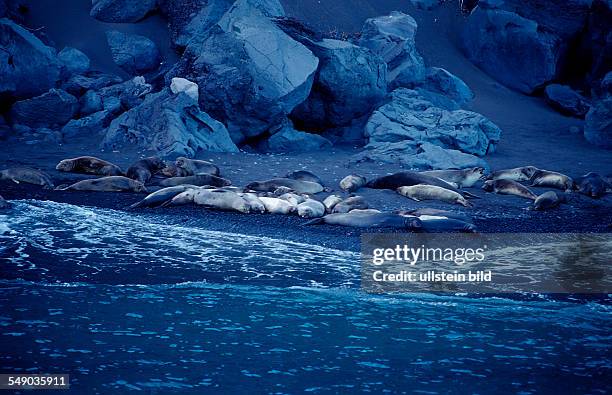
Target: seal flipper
{"points": [[469, 195], [316, 221]]}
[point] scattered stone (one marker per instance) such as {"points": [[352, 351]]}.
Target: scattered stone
{"points": [[54, 108], [392, 37], [409, 117], [565, 100], [133, 53], [183, 85], [170, 126], [73, 60], [121, 11], [27, 66]]}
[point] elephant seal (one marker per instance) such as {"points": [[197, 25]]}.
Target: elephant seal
{"points": [[303, 175], [89, 165], [221, 199], [296, 185], [517, 174], [197, 180], [162, 196], [368, 220], [432, 192], [255, 205], [410, 178], [172, 171], [183, 198], [282, 191], [27, 175], [144, 169], [433, 212], [292, 198], [311, 209], [445, 224], [349, 204], [549, 200], [509, 187], [465, 178], [551, 179], [277, 206], [593, 185], [352, 183], [107, 184], [331, 201], [194, 167], [3, 203]]}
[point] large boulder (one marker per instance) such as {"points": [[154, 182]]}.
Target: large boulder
{"points": [[408, 116], [90, 102], [566, 100], [512, 49], [90, 125], [598, 123], [169, 125], [251, 74], [121, 11], [129, 93], [54, 108], [392, 37], [419, 156], [182, 85], [27, 66], [133, 53], [73, 61], [290, 140], [79, 84], [350, 83]]}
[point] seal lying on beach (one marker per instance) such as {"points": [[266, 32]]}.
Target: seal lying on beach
{"points": [[27, 175], [277, 206], [292, 198], [304, 175], [516, 174], [194, 167], [593, 185], [439, 223], [220, 199], [144, 169], [432, 192], [197, 180], [368, 220], [410, 178], [549, 200], [349, 204], [352, 183], [107, 184], [331, 201], [509, 187], [434, 212], [254, 203], [551, 179], [89, 165], [311, 209], [3, 203], [465, 178], [296, 185], [162, 196], [171, 171]]}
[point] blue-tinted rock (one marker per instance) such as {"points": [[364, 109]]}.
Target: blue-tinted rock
{"points": [[512, 49], [54, 108], [91, 125], [133, 53], [290, 140], [121, 11], [79, 84], [409, 117], [567, 101], [351, 82], [168, 125], [73, 60], [598, 123], [90, 102], [127, 94], [27, 66]]}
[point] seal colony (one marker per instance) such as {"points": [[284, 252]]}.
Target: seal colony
{"points": [[196, 182]]}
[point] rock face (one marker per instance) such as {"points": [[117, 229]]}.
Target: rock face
{"points": [[291, 140], [27, 66], [73, 60], [133, 53], [182, 85], [168, 125], [409, 117], [90, 125], [90, 102], [392, 37], [127, 94], [598, 125], [251, 74], [565, 100], [79, 84], [53, 108], [121, 11], [512, 49], [350, 82]]}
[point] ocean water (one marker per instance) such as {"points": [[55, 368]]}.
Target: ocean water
{"points": [[124, 302]]}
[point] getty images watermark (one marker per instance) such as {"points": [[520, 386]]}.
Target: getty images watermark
{"points": [[493, 263]]}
